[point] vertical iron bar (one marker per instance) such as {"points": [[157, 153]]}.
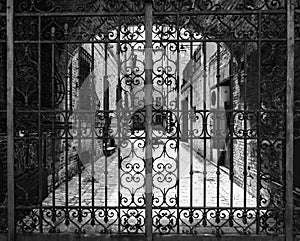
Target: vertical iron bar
{"points": [[106, 119], [231, 125], [205, 118], [218, 132], [245, 126], [93, 128], [93, 90], [53, 142], [258, 107], [290, 119], [80, 119], [119, 116], [231, 133], [148, 116], [191, 127], [71, 87], [66, 126], [178, 117], [191, 146], [10, 120], [66, 120], [40, 156]]}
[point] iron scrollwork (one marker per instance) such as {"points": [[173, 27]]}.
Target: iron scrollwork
{"points": [[56, 138]]}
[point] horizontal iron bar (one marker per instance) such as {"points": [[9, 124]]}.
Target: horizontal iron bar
{"points": [[221, 12], [80, 14], [75, 42], [140, 237], [155, 138], [227, 40], [129, 13], [154, 208], [58, 111]]}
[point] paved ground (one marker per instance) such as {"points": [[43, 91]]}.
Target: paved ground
{"points": [[165, 168], [166, 180]]}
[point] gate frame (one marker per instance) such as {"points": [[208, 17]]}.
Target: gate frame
{"points": [[290, 119], [11, 235], [10, 121]]}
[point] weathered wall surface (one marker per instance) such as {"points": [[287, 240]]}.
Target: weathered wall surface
{"points": [[84, 149], [244, 97]]}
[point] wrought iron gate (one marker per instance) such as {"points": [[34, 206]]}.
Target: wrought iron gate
{"points": [[147, 117]]}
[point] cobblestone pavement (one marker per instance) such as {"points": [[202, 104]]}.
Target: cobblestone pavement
{"points": [[167, 177], [185, 183]]}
